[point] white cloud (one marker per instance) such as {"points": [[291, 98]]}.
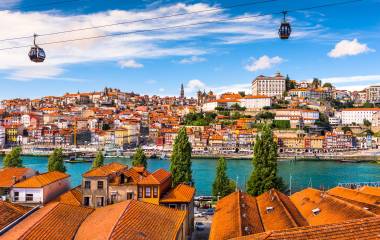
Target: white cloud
{"points": [[349, 79], [143, 45], [192, 59], [161, 89], [349, 48], [194, 85], [264, 62], [130, 64]]}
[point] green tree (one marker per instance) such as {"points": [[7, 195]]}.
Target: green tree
{"points": [[264, 176], [180, 161], [222, 185], [99, 160], [316, 83], [13, 159], [327, 85], [289, 84], [346, 129], [139, 158], [55, 161]]}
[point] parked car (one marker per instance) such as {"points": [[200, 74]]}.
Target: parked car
{"points": [[210, 211], [198, 214], [199, 226]]}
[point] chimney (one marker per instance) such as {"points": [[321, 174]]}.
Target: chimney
{"points": [[14, 180]]}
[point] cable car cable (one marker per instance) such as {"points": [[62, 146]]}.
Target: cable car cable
{"points": [[142, 20], [185, 25]]}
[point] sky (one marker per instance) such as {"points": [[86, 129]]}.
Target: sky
{"points": [[337, 44]]}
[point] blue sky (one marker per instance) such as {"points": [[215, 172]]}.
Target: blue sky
{"points": [[338, 44]]}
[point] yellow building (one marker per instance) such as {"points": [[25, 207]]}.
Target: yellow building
{"points": [[151, 188]]}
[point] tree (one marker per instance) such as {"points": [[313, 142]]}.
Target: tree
{"points": [[264, 176], [13, 159], [55, 161], [346, 129], [327, 85], [316, 83], [180, 161], [367, 123], [289, 84], [222, 185], [139, 158], [99, 160]]}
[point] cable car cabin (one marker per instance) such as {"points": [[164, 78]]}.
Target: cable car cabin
{"points": [[37, 54], [285, 30]]}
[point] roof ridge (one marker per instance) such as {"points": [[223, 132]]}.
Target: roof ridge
{"points": [[13, 206], [239, 214], [118, 220], [286, 209], [350, 204]]}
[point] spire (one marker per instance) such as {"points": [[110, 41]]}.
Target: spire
{"points": [[182, 94]]}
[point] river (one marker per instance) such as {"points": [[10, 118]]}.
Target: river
{"points": [[318, 174]]}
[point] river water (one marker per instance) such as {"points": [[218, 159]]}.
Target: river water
{"points": [[318, 174]]}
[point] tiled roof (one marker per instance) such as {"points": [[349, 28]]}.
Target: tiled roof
{"points": [[283, 214], [42, 180], [232, 214], [105, 170], [181, 193], [54, 221], [358, 229], [371, 190], [354, 195], [157, 177], [71, 197], [9, 212], [132, 220], [332, 210], [7, 176]]}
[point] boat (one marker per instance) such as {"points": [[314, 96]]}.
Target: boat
{"points": [[78, 159], [163, 156]]}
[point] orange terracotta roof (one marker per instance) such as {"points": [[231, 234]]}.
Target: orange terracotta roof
{"points": [[332, 210], [42, 180], [132, 220], [354, 195], [52, 222], [367, 228], [9, 212], [105, 170], [371, 190], [182, 193], [283, 214], [232, 214], [71, 197], [361, 109], [7, 176], [157, 177]]}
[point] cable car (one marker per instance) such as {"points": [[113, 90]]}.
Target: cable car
{"points": [[36, 54], [285, 29]]}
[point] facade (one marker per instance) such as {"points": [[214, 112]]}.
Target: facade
{"points": [[269, 86], [11, 176], [358, 115], [373, 94], [303, 116], [2, 136], [40, 189], [96, 182], [255, 102]]}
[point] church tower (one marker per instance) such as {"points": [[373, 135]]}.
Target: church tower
{"points": [[182, 93]]}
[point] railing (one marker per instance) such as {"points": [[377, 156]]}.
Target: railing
{"points": [[355, 185]]}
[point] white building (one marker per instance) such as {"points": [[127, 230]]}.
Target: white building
{"points": [[223, 103], [25, 120], [2, 136], [269, 86], [255, 102], [373, 93], [40, 189], [357, 115], [307, 116]]}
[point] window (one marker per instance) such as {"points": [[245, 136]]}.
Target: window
{"points": [[86, 201], [172, 205], [99, 201], [29, 197], [16, 196], [100, 184], [129, 195], [148, 192], [87, 184], [140, 192], [155, 191], [113, 198], [122, 179]]}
